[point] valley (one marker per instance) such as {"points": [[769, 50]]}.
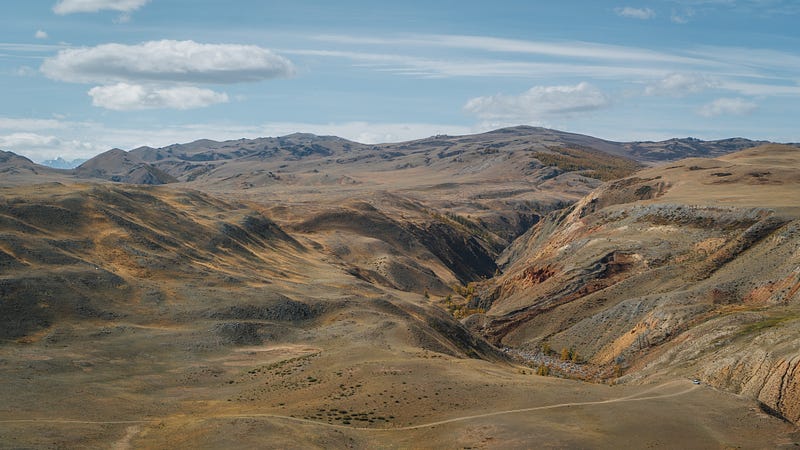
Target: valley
{"points": [[313, 292]]}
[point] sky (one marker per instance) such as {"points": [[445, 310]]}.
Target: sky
{"points": [[79, 77]]}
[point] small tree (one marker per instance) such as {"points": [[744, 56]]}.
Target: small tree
{"points": [[545, 347], [566, 354], [543, 370]]}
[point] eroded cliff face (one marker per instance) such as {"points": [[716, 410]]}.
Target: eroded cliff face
{"points": [[692, 270]]}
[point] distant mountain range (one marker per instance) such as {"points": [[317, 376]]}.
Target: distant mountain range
{"points": [[61, 163], [187, 162]]}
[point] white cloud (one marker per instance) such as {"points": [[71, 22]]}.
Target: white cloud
{"points": [[727, 106], [40, 34], [26, 140], [89, 6], [682, 17], [538, 102], [680, 84], [167, 61], [26, 71], [8, 123], [635, 13], [128, 97], [41, 147]]}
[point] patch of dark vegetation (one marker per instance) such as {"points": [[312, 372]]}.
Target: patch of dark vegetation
{"points": [[445, 154], [300, 151], [643, 192], [48, 217], [37, 252], [20, 317], [365, 222], [87, 311], [11, 223], [255, 231], [32, 302], [198, 170], [204, 156], [593, 163], [700, 217], [267, 230], [9, 262], [280, 309], [126, 200], [240, 333], [71, 245]]}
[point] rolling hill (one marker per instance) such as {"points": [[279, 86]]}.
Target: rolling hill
{"points": [[314, 292]]}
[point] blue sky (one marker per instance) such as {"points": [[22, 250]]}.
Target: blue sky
{"points": [[79, 77]]}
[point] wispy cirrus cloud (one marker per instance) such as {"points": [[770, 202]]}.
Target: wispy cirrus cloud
{"points": [[677, 72], [11, 123], [749, 7], [557, 49], [441, 67], [635, 13]]}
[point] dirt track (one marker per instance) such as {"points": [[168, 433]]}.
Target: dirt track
{"points": [[629, 398]]}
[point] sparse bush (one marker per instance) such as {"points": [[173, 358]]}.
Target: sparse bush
{"points": [[566, 354], [543, 370]]}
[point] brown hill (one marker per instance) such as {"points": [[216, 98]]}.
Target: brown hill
{"points": [[689, 269], [15, 169], [123, 167]]}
